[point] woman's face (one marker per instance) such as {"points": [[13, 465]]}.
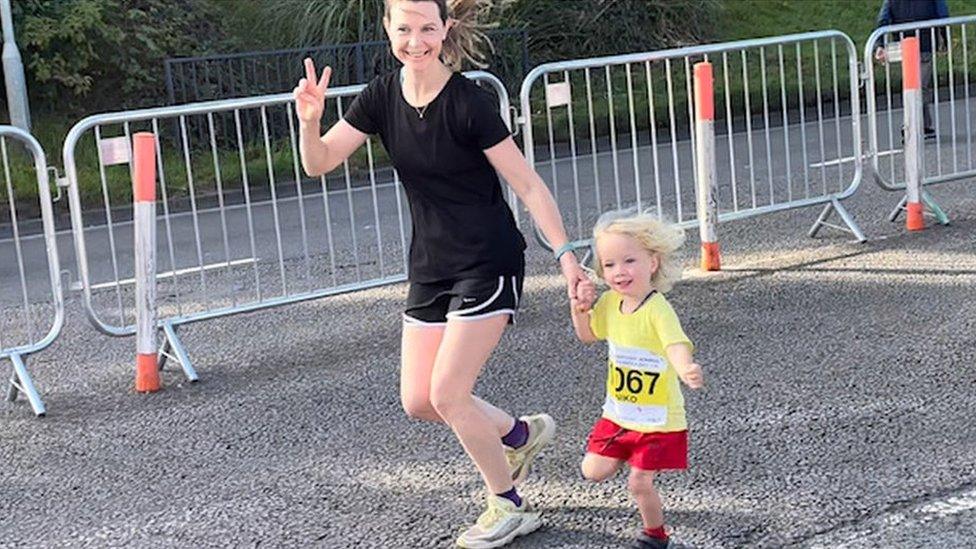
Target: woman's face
{"points": [[416, 33]]}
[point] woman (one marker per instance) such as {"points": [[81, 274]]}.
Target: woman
{"points": [[447, 140]]}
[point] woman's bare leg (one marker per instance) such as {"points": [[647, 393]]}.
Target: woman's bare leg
{"points": [[419, 345], [464, 348]]}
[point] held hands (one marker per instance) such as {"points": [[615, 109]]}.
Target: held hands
{"points": [[585, 295], [880, 55], [310, 94], [691, 375], [574, 276]]}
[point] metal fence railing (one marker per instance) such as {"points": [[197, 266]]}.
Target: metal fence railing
{"points": [[947, 98], [214, 77], [616, 132], [31, 297], [240, 227]]}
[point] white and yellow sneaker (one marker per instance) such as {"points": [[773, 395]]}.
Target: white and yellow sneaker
{"points": [[542, 428], [501, 523]]}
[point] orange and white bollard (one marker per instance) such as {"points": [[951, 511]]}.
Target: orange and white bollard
{"points": [[144, 221], [912, 98], [707, 182]]}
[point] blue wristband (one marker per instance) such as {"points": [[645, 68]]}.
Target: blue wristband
{"points": [[567, 247]]}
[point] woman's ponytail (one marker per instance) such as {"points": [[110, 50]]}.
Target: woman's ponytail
{"points": [[466, 40]]}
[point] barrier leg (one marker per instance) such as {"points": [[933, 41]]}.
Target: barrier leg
{"points": [[893, 216], [12, 391], [173, 342], [20, 382], [934, 208], [706, 182], [931, 207], [848, 220], [821, 220], [845, 216], [163, 354]]}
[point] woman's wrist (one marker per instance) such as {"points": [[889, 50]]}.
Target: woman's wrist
{"points": [[565, 249], [568, 263], [310, 126]]}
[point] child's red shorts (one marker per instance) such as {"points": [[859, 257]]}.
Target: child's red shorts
{"points": [[647, 451]]}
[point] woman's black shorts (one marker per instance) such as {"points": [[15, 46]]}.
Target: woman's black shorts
{"points": [[433, 304]]}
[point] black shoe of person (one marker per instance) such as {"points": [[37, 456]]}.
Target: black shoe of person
{"points": [[927, 133], [644, 541]]}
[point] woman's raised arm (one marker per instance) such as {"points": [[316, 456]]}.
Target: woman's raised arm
{"points": [[321, 153]]}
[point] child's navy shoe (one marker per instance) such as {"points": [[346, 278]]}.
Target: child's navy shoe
{"points": [[644, 541]]}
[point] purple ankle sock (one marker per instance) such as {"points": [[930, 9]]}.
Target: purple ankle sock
{"points": [[512, 496], [517, 437]]}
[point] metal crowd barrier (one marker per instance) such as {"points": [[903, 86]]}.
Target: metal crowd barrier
{"points": [[240, 227], [223, 76], [31, 297], [615, 132], [948, 154]]}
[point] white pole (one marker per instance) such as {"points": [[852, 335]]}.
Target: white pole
{"points": [[144, 196], [912, 96], [13, 72], [706, 181]]}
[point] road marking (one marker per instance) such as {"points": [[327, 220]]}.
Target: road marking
{"points": [[851, 158], [873, 531], [263, 203], [171, 274]]}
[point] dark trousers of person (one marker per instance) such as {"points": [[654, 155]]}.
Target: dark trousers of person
{"points": [[925, 73]]}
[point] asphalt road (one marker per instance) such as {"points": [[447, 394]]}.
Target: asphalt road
{"points": [[838, 412]]}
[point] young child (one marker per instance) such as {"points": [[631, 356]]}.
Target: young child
{"points": [[643, 421]]}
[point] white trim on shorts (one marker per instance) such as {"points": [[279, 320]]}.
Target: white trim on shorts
{"points": [[411, 321], [481, 316], [515, 291], [498, 292]]}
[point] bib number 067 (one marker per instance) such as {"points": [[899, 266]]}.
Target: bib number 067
{"points": [[633, 380]]}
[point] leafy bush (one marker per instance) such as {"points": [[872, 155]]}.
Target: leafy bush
{"points": [[571, 29], [107, 54], [320, 22], [84, 56], [558, 29]]}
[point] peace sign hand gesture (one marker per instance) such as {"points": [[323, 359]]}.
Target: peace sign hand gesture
{"points": [[310, 93]]}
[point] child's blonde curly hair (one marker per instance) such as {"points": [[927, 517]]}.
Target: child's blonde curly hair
{"points": [[658, 237]]}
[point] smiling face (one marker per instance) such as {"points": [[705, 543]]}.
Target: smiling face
{"points": [[627, 266], [416, 32]]}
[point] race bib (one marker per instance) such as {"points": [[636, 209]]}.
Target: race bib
{"points": [[637, 389]]}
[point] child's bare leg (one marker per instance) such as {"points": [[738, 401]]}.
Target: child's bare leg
{"points": [[641, 485], [599, 468]]}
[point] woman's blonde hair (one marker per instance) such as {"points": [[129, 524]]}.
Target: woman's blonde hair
{"points": [[658, 237], [466, 40]]}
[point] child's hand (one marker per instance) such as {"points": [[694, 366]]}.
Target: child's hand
{"points": [[585, 296], [692, 376]]}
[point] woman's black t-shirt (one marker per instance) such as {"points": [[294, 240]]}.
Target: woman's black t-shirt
{"points": [[462, 226]]}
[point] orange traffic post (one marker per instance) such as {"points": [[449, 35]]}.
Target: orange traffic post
{"points": [[706, 180], [912, 96], [144, 221]]}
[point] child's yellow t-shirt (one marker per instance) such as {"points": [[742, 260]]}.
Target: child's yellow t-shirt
{"points": [[643, 390]]}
